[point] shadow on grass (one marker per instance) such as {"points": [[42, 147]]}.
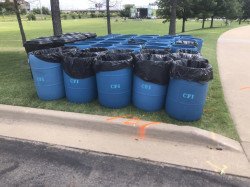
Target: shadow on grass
{"points": [[205, 29]]}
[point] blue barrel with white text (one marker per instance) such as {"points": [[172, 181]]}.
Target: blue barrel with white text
{"points": [[186, 99], [187, 90], [114, 79], [114, 88], [148, 96], [80, 90], [48, 78]]}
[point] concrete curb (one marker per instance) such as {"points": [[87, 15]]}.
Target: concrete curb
{"points": [[119, 125]]}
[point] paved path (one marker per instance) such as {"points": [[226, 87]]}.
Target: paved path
{"points": [[234, 64]]}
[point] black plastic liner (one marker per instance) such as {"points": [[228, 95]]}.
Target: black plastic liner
{"points": [[188, 56], [188, 51], [136, 42], [39, 44], [79, 65], [97, 50], [121, 51], [187, 42], [156, 51], [125, 52], [153, 68], [112, 62], [56, 41], [197, 70], [54, 55]]}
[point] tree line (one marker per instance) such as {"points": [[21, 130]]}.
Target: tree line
{"points": [[170, 10]]}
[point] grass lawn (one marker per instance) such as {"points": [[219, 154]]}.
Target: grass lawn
{"points": [[17, 88]]}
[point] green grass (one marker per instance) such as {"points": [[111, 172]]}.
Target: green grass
{"points": [[16, 85]]}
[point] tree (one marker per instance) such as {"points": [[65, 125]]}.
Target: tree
{"points": [[7, 6], [185, 11], [36, 10], [56, 17], [108, 17], [246, 9], [126, 11], [203, 9], [19, 20], [45, 11], [100, 3], [172, 25], [167, 9]]}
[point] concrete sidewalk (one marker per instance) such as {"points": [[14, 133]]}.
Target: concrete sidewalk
{"points": [[234, 65]]}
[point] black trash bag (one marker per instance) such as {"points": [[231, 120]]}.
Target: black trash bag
{"points": [[121, 51], [153, 68], [197, 70], [188, 51], [90, 35], [54, 55], [156, 51], [112, 62], [96, 50], [187, 42], [136, 41], [188, 56], [79, 66], [124, 51], [63, 39], [39, 44], [81, 54]]}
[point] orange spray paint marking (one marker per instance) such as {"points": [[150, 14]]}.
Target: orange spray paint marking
{"points": [[142, 129], [118, 117], [133, 121], [245, 88]]}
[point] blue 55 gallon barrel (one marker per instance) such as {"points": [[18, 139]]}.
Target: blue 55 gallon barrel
{"points": [[47, 73], [114, 80], [79, 77], [150, 81], [188, 88]]}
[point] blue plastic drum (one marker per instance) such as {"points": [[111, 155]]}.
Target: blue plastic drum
{"points": [[80, 90], [104, 45], [48, 78], [114, 88], [186, 99], [148, 96]]}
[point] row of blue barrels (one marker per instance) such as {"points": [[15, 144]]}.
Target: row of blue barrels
{"points": [[175, 43], [115, 81]]}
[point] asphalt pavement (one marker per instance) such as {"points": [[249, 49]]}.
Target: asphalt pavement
{"points": [[36, 164]]}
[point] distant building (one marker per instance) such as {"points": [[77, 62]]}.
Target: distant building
{"points": [[24, 5], [143, 12]]}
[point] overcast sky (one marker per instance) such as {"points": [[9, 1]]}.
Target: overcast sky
{"points": [[85, 4]]}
